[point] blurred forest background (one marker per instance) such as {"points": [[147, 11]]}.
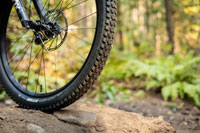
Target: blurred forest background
{"points": [[157, 48]]}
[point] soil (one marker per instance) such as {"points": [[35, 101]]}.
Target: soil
{"points": [[182, 115], [80, 117]]}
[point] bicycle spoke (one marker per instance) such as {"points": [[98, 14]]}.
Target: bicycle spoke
{"points": [[45, 83], [63, 8], [31, 14], [82, 29], [52, 42], [73, 29], [38, 78], [59, 3], [46, 4], [56, 18], [56, 42], [76, 52], [16, 39], [29, 68], [76, 4], [61, 36], [71, 66], [30, 8], [83, 18], [24, 50], [55, 62], [80, 38], [19, 38], [75, 69], [21, 59], [31, 63], [67, 5]]}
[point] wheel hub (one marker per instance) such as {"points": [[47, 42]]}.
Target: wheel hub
{"points": [[51, 35]]}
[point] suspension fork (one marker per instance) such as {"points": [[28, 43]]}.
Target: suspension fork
{"points": [[24, 17]]}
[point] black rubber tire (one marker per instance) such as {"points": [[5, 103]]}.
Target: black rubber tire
{"points": [[87, 76]]}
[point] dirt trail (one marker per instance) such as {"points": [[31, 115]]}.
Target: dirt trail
{"points": [[79, 118], [183, 116]]}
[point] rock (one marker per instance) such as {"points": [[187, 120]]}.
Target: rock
{"points": [[195, 111], [79, 118], [32, 128], [17, 120], [112, 120], [9, 102]]}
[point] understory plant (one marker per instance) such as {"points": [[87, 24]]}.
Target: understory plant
{"points": [[2, 95], [174, 75]]}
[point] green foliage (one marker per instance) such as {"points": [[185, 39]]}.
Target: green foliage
{"points": [[176, 77], [2, 95], [141, 94], [108, 90]]}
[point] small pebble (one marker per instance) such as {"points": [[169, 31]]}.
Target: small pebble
{"points": [[8, 102]]}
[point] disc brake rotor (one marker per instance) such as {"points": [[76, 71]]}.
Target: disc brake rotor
{"points": [[55, 34]]}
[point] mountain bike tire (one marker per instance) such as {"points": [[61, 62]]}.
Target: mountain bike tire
{"points": [[84, 79]]}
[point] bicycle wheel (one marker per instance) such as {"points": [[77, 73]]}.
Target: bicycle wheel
{"points": [[56, 73]]}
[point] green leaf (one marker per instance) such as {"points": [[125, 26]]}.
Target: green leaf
{"points": [[190, 90], [166, 91], [181, 93], [152, 84], [171, 91]]}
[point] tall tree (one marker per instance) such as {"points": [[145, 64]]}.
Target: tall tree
{"points": [[119, 22], [147, 15], [169, 21]]}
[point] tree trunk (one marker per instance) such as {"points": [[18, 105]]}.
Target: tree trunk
{"points": [[120, 33], [169, 21], [147, 15]]}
